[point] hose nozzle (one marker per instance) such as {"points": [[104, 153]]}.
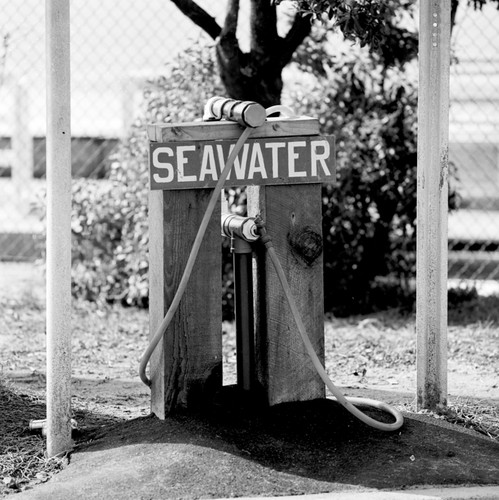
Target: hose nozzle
{"points": [[246, 113]]}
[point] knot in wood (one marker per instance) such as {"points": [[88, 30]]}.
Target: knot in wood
{"points": [[306, 244]]}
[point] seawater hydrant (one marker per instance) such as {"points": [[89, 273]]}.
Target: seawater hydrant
{"points": [[243, 231]]}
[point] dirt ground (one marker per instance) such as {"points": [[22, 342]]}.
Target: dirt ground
{"points": [[291, 449], [232, 448]]}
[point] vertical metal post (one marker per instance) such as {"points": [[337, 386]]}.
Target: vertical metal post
{"points": [[432, 203], [58, 227], [243, 293]]}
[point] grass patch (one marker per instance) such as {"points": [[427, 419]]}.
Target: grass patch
{"points": [[23, 460], [482, 418], [22, 455], [478, 416], [111, 340]]}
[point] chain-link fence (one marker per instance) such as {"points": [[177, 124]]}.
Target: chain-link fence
{"points": [[474, 142], [117, 45]]}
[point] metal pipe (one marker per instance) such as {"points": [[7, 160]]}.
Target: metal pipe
{"points": [[58, 228], [236, 225], [243, 292], [35, 425], [432, 194]]}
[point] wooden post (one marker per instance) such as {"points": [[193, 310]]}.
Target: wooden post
{"points": [[186, 368], [58, 228], [293, 216], [186, 160], [432, 203]]}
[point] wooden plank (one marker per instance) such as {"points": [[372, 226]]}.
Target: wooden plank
{"points": [[293, 218], [432, 199], [157, 299], [224, 129], [151, 132], [262, 161], [188, 368]]}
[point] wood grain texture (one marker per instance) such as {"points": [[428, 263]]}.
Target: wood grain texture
{"points": [[187, 368], [157, 307], [224, 129], [293, 218]]}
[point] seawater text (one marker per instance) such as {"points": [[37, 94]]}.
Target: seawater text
{"points": [[282, 160]]}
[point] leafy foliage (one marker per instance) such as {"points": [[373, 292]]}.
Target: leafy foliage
{"points": [[368, 14], [23, 461], [369, 215], [371, 23], [376, 23], [110, 234], [109, 220], [478, 4]]}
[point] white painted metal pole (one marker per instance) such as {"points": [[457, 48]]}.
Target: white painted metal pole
{"points": [[58, 228], [432, 204]]}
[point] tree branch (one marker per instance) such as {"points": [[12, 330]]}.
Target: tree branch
{"points": [[453, 11], [300, 29], [228, 46], [199, 16], [230, 25], [263, 25], [229, 55]]}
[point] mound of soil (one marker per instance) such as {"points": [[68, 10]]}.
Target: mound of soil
{"points": [[233, 449]]}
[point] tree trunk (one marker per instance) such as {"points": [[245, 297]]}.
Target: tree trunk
{"points": [[260, 82], [257, 75]]}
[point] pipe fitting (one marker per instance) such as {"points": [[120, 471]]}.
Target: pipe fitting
{"points": [[238, 226], [36, 425], [246, 113]]}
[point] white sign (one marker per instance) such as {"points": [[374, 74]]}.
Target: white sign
{"points": [[282, 160]]}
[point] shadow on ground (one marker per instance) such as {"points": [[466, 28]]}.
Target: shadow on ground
{"points": [[22, 452], [293, 448]]}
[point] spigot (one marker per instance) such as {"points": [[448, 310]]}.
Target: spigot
{"points": [[242, 227]]}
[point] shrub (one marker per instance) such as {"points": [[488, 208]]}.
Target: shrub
{"points": [[109, 220], [369, 214], [109, 228]]}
